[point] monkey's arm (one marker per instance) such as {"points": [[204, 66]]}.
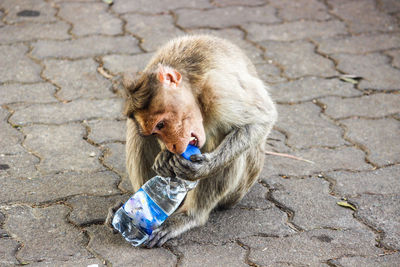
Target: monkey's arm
{"points": [[236, 142]]}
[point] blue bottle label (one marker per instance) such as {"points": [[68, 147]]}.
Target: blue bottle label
{"points": [[144, 212]]}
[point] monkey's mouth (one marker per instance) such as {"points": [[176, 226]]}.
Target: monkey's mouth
{"points": [[194, 141]]}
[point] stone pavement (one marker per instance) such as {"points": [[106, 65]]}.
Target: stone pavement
{"points": [[62, 131]]}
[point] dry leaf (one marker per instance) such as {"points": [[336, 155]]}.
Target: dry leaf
{"points": [[346, 205]]}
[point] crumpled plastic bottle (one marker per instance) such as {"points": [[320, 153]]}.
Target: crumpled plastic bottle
{"points": [[151, 205]]}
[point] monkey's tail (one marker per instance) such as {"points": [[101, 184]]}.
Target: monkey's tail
{"points": [[288, 156]]}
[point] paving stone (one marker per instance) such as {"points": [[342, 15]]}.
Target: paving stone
{"points": [[126, 63], [299, 59], [229, 225], [291, 31], [53, 187], [395, 54], [107, 131], [120, 253], [81, 1], [358, 44], [380, 181], [309, 88], [88, 82], [85, 47], [8, 248], [269, 73], [10, 138], [301, 9], [380, 137], [225, 17], [32, 31], [353, 13], [373, 106], [384, 214], [154, 30], [312, 204], [389, 6], [312, 248], [93, 18], [384, 261], [17, 67], [92, 209], [374, 68], [221, 3], [21, 164], [89, 262], [27, 10], [114, 158], [229, 254], [256, 198], [343, 158], [163, 6], [77, 110], [45, 234], [62, 148], [305, 119], [27, 93], [237, 37]]}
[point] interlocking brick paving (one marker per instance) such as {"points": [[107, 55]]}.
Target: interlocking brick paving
{"points": [[62, 131]]}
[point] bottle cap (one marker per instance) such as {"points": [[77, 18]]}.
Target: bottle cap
{"points": [[190, 150]]}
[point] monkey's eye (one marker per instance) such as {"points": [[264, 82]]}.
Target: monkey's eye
{"points": [[160, 125]]}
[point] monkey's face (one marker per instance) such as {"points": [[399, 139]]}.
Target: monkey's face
{"points": [[173, 114]]}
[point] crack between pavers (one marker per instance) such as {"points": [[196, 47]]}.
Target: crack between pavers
{"points": [[93, 252], [247, 255], [238, 3], [57, 16], [20, 244], [389, 58], [329, 10], [62, 123], [77, 58], [355, 144], [85, 233], [104, 152], [43, 77], [174, 251], [375, 229], [289, 212], [117, 87], [175, 21], [286, 136], [126, 32], [57, 201], [22, 142], [327, 56]]}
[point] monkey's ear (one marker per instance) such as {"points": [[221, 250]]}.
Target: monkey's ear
{"points": [[168, 76]]}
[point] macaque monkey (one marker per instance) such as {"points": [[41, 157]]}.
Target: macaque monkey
{"points": [[204, 91]]}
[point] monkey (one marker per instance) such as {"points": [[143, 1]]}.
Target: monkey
{"points": [[200, 90]]}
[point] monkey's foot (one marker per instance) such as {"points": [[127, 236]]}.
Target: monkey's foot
{"points": [[110, 215], [174, 226]]}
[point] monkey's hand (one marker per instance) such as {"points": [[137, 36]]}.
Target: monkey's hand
{"points": [[199, 166], [175, 225], [161, 164]]}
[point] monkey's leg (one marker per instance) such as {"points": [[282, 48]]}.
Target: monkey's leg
{"points": [[254, 164]]}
